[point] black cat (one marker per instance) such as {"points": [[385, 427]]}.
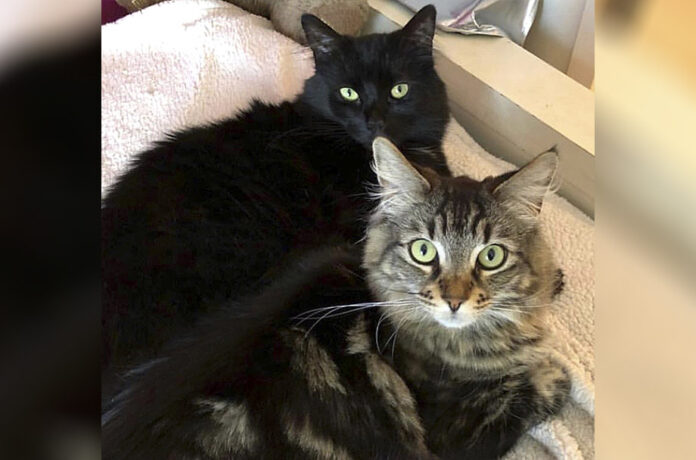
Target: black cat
{"points": [[211, 212]]}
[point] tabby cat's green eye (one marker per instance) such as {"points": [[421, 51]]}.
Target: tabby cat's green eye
{"points": [[492, 257], [423, 251], [349, 94], [399, 91]]}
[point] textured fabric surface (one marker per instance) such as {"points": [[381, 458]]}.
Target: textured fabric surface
{"points": [[186, 62]]}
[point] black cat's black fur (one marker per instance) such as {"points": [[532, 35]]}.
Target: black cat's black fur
{"points": [[211, 212]]}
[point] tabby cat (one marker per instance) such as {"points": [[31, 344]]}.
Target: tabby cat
{"points": [[446, 362], [212, 212]]}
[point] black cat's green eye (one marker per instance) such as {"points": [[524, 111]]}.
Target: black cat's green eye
{"points": [[349, 94], [492, 256], [399, 91], [423, 251]]}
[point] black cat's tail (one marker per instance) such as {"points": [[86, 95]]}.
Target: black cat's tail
{"points": [[216, 350]]}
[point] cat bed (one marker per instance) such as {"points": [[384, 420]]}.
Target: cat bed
{"points": [[188, 62]]}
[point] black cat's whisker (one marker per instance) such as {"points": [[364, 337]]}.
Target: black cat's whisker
{"points": [[352, 272]]}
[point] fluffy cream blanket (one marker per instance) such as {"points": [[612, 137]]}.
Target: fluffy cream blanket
{"points": [[186, 62]]}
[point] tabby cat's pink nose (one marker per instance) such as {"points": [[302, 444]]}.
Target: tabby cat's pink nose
{"points": [[454, 304]]}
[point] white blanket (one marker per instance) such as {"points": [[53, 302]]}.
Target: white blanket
{"points": [[185, 62]]}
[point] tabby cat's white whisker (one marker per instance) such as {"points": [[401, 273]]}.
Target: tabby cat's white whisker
{"points": [[424, 316], [399, 325], [508, 309], [396, 331], [504, 314], [333, 314], [315, 323], [379, 322], [387, 314], [333, 307], [520, 305]]}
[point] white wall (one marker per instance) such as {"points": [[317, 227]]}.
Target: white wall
{"points": [[563, 36]]}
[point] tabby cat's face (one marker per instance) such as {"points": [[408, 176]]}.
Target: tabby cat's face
{"points": [[381, 84], [464, 252]]}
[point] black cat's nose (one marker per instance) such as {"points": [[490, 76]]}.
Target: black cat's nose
{"points": [[375, 118], [376, 125], [454, 304]]}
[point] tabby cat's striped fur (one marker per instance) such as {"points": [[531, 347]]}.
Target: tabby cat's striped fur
{"points": [[445, 362]]}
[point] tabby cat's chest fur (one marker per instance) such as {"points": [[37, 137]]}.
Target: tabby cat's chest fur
{"points": [[477, 395]]}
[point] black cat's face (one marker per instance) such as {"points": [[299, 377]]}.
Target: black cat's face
{"points": [[381, 84]]}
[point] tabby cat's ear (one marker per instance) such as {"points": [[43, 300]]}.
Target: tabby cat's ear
{"points": [[320, 37], [526, 188], [421, 27], [398, 179]]}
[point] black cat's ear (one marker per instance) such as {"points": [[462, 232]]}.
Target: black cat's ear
{"points": [[526, 188], [320, 37], [399, 181], [421, 27]]}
